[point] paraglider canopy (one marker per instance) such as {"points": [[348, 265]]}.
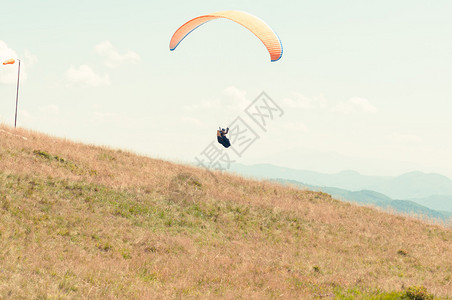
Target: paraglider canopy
{"points": [[258, 27]]}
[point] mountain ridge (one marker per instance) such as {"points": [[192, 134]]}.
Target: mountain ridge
{"points": [[369, 197], [411, 185]]}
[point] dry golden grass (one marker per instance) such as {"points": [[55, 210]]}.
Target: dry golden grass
{"points": [[80, 221]]}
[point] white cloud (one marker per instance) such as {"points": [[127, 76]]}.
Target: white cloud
{"points": [[405, 138], [84, 75], [50, 109], [355, 105], [113, 58], [191, 121], [235, 93], [8, 73], [302, 102], [205, 104], [110, 118], [29, 58], [232, 99], [24, 116], [294, 126]]}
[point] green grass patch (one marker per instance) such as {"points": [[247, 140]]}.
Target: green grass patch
{"points": [[152, 211]]}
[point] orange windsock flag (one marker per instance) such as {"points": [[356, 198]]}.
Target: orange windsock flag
{"points": [[9, 61]]}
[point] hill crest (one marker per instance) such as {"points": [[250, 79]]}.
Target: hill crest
{"points": [[81, 220]]}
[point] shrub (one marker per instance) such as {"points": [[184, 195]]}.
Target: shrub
{"points": [[417, 293], [402, 252]]}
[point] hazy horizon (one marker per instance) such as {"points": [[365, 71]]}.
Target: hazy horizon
{"points": [[362, 86]]}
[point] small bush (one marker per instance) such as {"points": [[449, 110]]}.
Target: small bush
{"points": [[126, 254], [43, 154], [64, 162], [417, 293], [106, 247], [185, 188], [105, 156], [402, 252]]}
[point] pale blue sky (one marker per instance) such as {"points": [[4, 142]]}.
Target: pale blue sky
{"points": [[364, 85]]}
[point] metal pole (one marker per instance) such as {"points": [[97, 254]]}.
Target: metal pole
{"points": [[17, 94]]}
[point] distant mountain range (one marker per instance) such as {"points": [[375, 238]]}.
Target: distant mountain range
{"points": [[413, 192], [437, 202], [366, 197]]}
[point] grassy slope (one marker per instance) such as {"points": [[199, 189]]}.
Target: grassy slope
{"points": [[84, 221]]}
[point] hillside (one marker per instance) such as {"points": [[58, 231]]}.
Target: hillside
{"points": [[81, 221]]}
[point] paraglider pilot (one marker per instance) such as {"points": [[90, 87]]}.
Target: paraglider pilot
{"points": [[221, 137]]}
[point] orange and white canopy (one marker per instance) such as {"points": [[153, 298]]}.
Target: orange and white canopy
{"points": [[258, 27]]}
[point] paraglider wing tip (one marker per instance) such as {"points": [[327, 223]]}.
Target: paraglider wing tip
{"points": [[273, 60], [282, 48]]}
